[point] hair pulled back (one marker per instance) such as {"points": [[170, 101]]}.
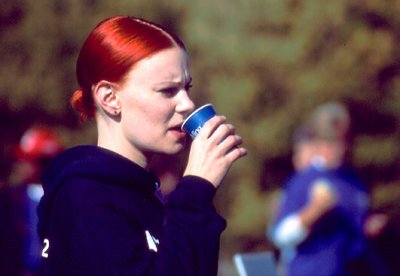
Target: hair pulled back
{"points": [[113, 47]]}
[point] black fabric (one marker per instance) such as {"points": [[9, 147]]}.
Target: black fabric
{"points": [[98, 207]]}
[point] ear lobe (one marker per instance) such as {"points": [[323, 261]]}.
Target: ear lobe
{"points": [[106, 98]]}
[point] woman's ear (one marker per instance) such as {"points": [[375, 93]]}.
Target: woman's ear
{"points": [[106, 97]]}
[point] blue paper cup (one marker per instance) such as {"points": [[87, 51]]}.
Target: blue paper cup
{"points": [[193, 124]]}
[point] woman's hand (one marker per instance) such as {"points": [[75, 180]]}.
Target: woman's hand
{"points": [[214, 150]]}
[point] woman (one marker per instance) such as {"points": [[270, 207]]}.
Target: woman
{"points": [[100, 213]]}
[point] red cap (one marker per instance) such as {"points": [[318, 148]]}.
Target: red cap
{"points": [[38, 142]]}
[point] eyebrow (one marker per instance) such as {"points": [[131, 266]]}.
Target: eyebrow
{"points": [[175, 82]]}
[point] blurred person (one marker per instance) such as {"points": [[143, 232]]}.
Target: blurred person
{"points": [[101, 213], [318, 227], [302, 155], [20, 254]]}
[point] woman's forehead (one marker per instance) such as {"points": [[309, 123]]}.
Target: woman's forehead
{"points": [[168, 65]]}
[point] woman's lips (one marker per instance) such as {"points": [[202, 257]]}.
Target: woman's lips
{"points": [[177, 131]]}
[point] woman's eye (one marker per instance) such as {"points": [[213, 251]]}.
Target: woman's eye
{"points": [[174, 90], [170, 90]]}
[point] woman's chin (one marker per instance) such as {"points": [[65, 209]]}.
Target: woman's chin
{"points": [[178, 148]]}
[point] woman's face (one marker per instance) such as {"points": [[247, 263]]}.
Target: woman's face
{"points": [[154, 103]]}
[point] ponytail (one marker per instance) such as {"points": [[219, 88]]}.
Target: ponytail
{"points": [[86, 110]]}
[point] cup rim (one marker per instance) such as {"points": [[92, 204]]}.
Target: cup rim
{"points": [[194, 112]]}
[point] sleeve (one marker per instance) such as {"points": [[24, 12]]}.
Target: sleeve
{"points": [[286, 230], [294, 197], [289, 232], [291, 229], [192, 230]]}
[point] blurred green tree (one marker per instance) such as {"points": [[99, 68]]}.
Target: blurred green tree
{"points": [[266, 64], [263, 63]]}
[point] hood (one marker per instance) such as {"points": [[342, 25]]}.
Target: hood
{"points": [[92, 162]]}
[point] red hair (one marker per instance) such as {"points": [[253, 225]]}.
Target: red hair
{"points": [[111, 50]]}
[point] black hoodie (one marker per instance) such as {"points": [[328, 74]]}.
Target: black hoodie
{"points": [[100, 215]]}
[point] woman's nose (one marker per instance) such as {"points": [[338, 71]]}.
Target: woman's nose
{"points": [[185, 104]]}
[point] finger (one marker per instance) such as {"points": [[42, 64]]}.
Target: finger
{"points": [[211, 125], [236, 153], [222, 132], [230, 143]]}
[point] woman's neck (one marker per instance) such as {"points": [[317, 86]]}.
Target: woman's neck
{"points": [[111, 138]]}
